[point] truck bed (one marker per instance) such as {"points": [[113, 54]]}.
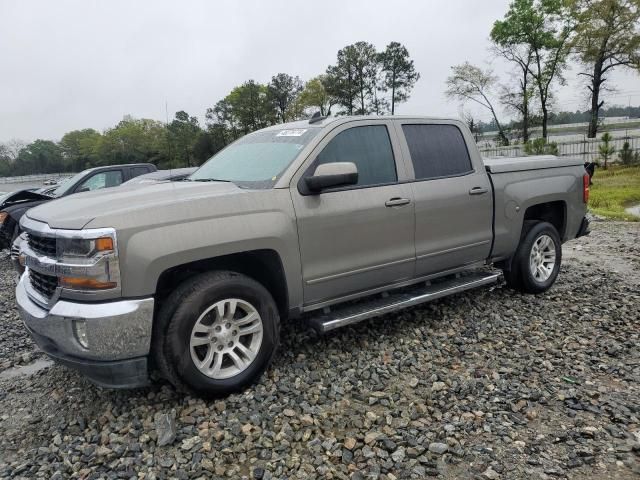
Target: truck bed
{"points": [[520, 182], [536, 162]]}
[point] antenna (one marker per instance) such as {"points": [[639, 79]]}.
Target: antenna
{"points": [[166, 113], [316, 117]]}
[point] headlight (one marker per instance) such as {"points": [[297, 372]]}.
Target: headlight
{"points": [[84, 250], [88, 260]]}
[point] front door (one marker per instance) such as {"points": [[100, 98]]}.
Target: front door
{"points": [[360, 237]]}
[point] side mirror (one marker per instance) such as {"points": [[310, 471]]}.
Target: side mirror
{"points": [[83, 189], [329, 175]]}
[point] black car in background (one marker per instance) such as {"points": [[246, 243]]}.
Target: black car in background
{"points": [[173, 175], [14, 205]]}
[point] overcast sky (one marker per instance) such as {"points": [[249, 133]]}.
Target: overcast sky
{"points": [[68, 65]]}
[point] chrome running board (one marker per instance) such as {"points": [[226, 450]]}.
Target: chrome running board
{"points": [[366, 308]]}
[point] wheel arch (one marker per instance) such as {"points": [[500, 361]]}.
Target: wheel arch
{"points": [[553, 212], [264, 266]]}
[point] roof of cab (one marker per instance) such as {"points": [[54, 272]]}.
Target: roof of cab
{"points": [[350, 118]]}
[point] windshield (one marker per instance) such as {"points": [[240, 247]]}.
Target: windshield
{"points": [[256, 160], [67, 183]]}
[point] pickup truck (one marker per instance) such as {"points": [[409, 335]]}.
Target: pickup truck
{"points": [[13, 206], [329, 221]]}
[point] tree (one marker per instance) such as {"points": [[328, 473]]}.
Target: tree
{"points": [[182, 133], [133, 141], [627, 156], [284, 90], [353, 79], [517, 99], [207, 144], [79, 148], [607, 37], [315, 96], [539, 146], [468, 82], [472, 123], [40, 156], [542, 27], [220, 119], [12, 148], [6, 162], [251, 106], [606, 149], [399, 73]]}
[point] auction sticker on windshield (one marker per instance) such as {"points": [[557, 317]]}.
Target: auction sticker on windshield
{"points": [[296, 132]]}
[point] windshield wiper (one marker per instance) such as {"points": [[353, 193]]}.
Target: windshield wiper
{"points": [[210, 180]]}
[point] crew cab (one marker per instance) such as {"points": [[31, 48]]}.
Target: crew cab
{"points": [[329, 221], [14, 205]]}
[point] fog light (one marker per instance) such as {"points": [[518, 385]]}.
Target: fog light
{"points": [[80, 331]]}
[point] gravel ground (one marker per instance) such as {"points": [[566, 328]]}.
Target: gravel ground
{"points": [[488, 384]]}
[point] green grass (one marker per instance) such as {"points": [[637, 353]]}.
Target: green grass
{"points": [[613, 190]]}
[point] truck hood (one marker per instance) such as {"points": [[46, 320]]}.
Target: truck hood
{"points": [[78, 211]]}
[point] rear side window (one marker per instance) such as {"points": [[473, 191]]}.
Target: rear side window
{"points": [[137, 171], [437, 151], [369, 147]]}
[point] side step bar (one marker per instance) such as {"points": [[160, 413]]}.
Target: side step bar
{"points": [[379, 305]]}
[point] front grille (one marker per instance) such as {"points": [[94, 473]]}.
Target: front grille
{"points": [[15, 252], [44, 284], [42, 245]]}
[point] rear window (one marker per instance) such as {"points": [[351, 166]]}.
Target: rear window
{"points": [[437, 151], [137, 171]]}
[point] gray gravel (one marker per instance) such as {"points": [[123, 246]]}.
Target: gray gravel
{"points": [[16, 347], [490, 384]]}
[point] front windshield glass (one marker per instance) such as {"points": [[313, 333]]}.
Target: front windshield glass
{"points": [[67, 183], [258, 159]]}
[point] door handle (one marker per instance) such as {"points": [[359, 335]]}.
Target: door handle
{"points": [[397, 202], [478, 190]]}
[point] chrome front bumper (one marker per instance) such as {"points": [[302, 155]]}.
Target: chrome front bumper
{"points": [[118, 335]]}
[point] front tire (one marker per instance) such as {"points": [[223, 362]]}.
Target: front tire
{"points": [[216, 334], [536, 264]]}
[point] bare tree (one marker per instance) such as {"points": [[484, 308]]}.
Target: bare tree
{"points": [[471, 83], [518, 98]]}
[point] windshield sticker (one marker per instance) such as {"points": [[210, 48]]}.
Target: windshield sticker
{"points": [[296, 132]]}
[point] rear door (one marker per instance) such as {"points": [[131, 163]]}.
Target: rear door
{"points": [[358, 237], [453, 201]]}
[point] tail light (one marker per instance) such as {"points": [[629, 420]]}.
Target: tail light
{"points": [[585, 188]]}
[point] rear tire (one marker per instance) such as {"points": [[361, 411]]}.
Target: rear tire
{"points": [[216, 334], [537, 261]]}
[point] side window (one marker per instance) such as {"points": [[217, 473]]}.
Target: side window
{"points": [[437, 151], [137, 171], [369, 147], [100, 180]]}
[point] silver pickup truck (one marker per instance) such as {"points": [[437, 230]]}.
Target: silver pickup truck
{"points": [[330, 221]]}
